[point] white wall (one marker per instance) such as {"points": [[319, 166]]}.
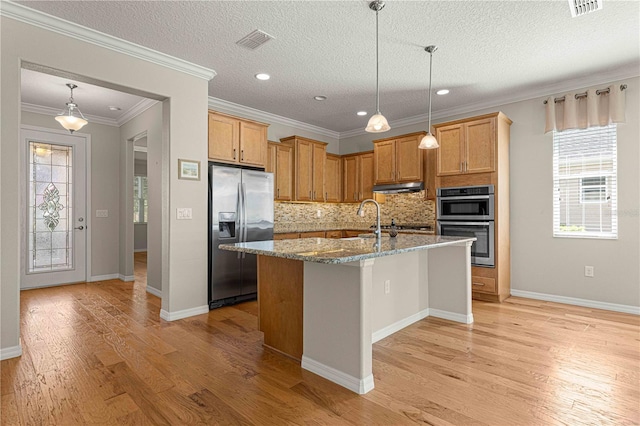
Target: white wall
{"points": [[555, 266], [184, 259], [104, 190]]}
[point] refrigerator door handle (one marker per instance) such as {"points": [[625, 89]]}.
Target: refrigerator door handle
{"points": [[239, 216], [244, 216]]}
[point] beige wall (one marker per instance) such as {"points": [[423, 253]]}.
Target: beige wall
{"points": [[105, 178], [150, 122], [555, 266], [184, 261]]}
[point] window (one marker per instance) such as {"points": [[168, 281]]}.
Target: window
{"points": [[585, 183], [140, 202]]}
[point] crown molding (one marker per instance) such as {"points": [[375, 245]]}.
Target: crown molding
{"points": [[38, 109], [540, 92], [48, 22], [128, 115], [136, 110], [255, 114]]}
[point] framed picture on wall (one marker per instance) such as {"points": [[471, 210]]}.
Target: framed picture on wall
{"points": [[188, 169]]}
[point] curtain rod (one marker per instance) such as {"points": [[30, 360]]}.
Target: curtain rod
{"points": [[584, 95]]}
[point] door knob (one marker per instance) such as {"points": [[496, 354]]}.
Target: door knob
{"points": [[79, 227]]}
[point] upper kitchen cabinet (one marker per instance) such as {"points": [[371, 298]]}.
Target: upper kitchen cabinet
{"points": [[357, 172], [470, 145], [308, 168], [398, 159], [237, 141], [333, 178], [280, 163]]}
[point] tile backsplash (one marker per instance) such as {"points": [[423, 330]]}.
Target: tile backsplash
{"points": [[404, 208]]}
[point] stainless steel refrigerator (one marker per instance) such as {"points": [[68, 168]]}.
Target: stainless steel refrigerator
{"points": [[240, 210]]}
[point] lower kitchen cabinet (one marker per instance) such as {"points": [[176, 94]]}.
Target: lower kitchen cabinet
{"points": [[333, 234], [286, 236]]}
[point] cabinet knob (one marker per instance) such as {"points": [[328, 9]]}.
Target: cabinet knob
{"points": [[234, 153], [242, 154], [278, 192]]}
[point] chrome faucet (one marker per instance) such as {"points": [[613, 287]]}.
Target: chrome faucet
{"points": [[377, 232]]}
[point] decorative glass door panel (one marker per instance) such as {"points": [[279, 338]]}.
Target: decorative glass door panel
{"points": [[54, 225], [50, 208]]}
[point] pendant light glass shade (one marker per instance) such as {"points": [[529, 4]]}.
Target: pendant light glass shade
{"points": [[377, 123], [71, 117], [429, 141]]}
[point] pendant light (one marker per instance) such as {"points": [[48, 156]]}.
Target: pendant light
{"points": [[67, 118], [377, 123], [429, 141]]}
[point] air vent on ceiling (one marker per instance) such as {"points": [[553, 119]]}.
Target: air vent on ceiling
{"points": [[254, 39], [582, 7]]}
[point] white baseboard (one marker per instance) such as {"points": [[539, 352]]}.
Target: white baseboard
{"points": [[627, 309], [185, 313], [397, 326], [11, 352], [154, 291], [139, 250], [451, 316], [126, 278], [359, 386], [107, 277]]}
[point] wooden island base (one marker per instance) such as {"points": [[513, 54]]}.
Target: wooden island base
{"points": [[280, 288]]}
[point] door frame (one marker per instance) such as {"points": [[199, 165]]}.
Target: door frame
{"points": [[23, 197]]}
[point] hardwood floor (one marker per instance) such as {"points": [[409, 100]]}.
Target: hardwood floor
{"points": [[98, 353]]}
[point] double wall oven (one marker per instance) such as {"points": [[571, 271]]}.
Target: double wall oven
{"points": [[469, 212]]}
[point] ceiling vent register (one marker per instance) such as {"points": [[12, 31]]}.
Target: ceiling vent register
{"points": [[254, 39], [582, 7]]}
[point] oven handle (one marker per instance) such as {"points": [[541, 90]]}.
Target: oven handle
{"points": [[447, 222], [466, 197]]}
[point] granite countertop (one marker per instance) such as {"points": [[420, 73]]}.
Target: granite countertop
{"points": [[343, 250]]}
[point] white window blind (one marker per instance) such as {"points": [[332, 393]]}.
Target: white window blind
{"points": [[585, 192], [140, 200]]}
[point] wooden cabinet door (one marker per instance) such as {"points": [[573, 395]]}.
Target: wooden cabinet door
{"points": [[366, 176], [253, 144], [223, 138], [284, 173], [451, 140], [319, 155], [408, 160], [350, 176], [304, 171], [270, 164], [332, 180], [333, 234], [384, 162], [480, 146], [429, 171]]}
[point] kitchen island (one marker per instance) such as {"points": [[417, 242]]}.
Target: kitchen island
{"points": [[326, 301]]}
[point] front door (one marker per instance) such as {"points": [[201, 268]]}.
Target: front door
{"points": [[54, 205]]}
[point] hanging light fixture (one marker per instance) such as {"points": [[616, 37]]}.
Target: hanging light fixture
{"points": [[377, 123], [67, 118], [429, 141]]}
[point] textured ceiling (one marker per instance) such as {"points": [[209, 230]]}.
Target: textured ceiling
{"points": [[487, 49]]}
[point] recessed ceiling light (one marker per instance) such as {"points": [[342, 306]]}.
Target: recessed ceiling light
{"points": [[442, 92], [263, 76], [114, 108], [361, 112], [320, 98]]}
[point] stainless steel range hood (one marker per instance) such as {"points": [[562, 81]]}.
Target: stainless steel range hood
{"points": [[399, 188]]}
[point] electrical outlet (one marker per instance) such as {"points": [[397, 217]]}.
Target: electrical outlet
{"points": [[387, 287], [183, 213], [318, 213], [588, 271]]}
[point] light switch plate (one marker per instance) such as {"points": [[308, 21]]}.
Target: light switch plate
{"points": [[184, 213], [102, 213]]}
